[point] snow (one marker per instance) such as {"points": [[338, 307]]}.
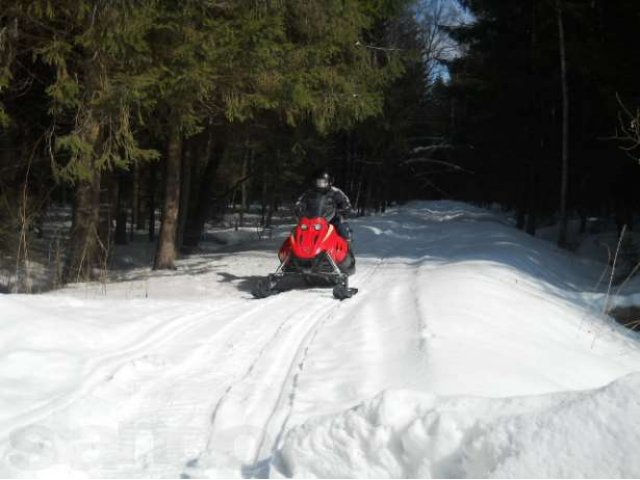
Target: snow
{"points": [[403, 434], [472, 350]]}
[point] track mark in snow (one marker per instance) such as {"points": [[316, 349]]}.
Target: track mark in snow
{"points": [[182, 398], [241, 400], [103, 369], [260, 467], [257, 404], [249, 370], [285, 403]]}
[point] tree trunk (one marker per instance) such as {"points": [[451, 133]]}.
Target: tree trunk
{"points": [[530, 225], [348, 174], [583, 221], [387, 171], [185, 194], [152, 204], [564, 216], [264, 201], [356, 203], [196, 219], [272, 208], [86, 253], [531, 204], [120, 213], [521, 217], [136, 213], [166, 250], [243, 187]]}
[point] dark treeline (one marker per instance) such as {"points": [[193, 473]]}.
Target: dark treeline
{"points": [[542, 109], [128, 107]]}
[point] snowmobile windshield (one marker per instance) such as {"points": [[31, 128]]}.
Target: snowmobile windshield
{"points": [[317, 205]]}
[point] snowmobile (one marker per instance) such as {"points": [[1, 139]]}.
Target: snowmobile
{"points": [[314, 252]]}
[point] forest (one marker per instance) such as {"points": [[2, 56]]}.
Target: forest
{"points": [[159, 116]]}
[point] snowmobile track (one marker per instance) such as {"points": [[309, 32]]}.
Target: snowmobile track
{"points": [[264, 451], [237, 383], [103, 368], [295, 333]]}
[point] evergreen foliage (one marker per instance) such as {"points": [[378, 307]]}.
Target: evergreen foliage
{"points": [[236, 102], [507, 97], [91, 94], [96, 54]]}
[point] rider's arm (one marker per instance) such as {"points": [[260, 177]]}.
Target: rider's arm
{"points": [[299, 206], [343, 205]]}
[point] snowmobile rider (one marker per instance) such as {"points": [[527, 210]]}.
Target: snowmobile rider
{"points": [[336, 202]]}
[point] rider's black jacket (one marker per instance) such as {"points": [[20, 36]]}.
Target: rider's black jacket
{"points": [[336, 201]]}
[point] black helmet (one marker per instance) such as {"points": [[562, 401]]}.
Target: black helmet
{"points": [[321, 180]]}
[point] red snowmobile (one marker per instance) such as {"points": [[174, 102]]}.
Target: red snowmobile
{"points": [[314, 252]]}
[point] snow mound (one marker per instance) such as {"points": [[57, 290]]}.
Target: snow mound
{"points": [[403, 434]]}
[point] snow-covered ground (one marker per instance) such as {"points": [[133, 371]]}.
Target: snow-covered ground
{"points": [[472, 350]]}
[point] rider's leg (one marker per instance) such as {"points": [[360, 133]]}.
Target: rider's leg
{"points": [[344, 230]]}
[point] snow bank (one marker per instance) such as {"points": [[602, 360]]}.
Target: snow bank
{"points": [[593, 433]]}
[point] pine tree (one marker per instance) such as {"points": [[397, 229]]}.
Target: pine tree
{"points": [[99, 64], [305, 61], [509, 95]]}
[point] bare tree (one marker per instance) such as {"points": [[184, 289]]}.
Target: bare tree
{"points": [[564, 219], [166, 251], [435, 18], [629, 134]]}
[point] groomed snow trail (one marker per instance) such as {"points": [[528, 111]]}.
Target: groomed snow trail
{"points": [[185, 375], [205, 382]]}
